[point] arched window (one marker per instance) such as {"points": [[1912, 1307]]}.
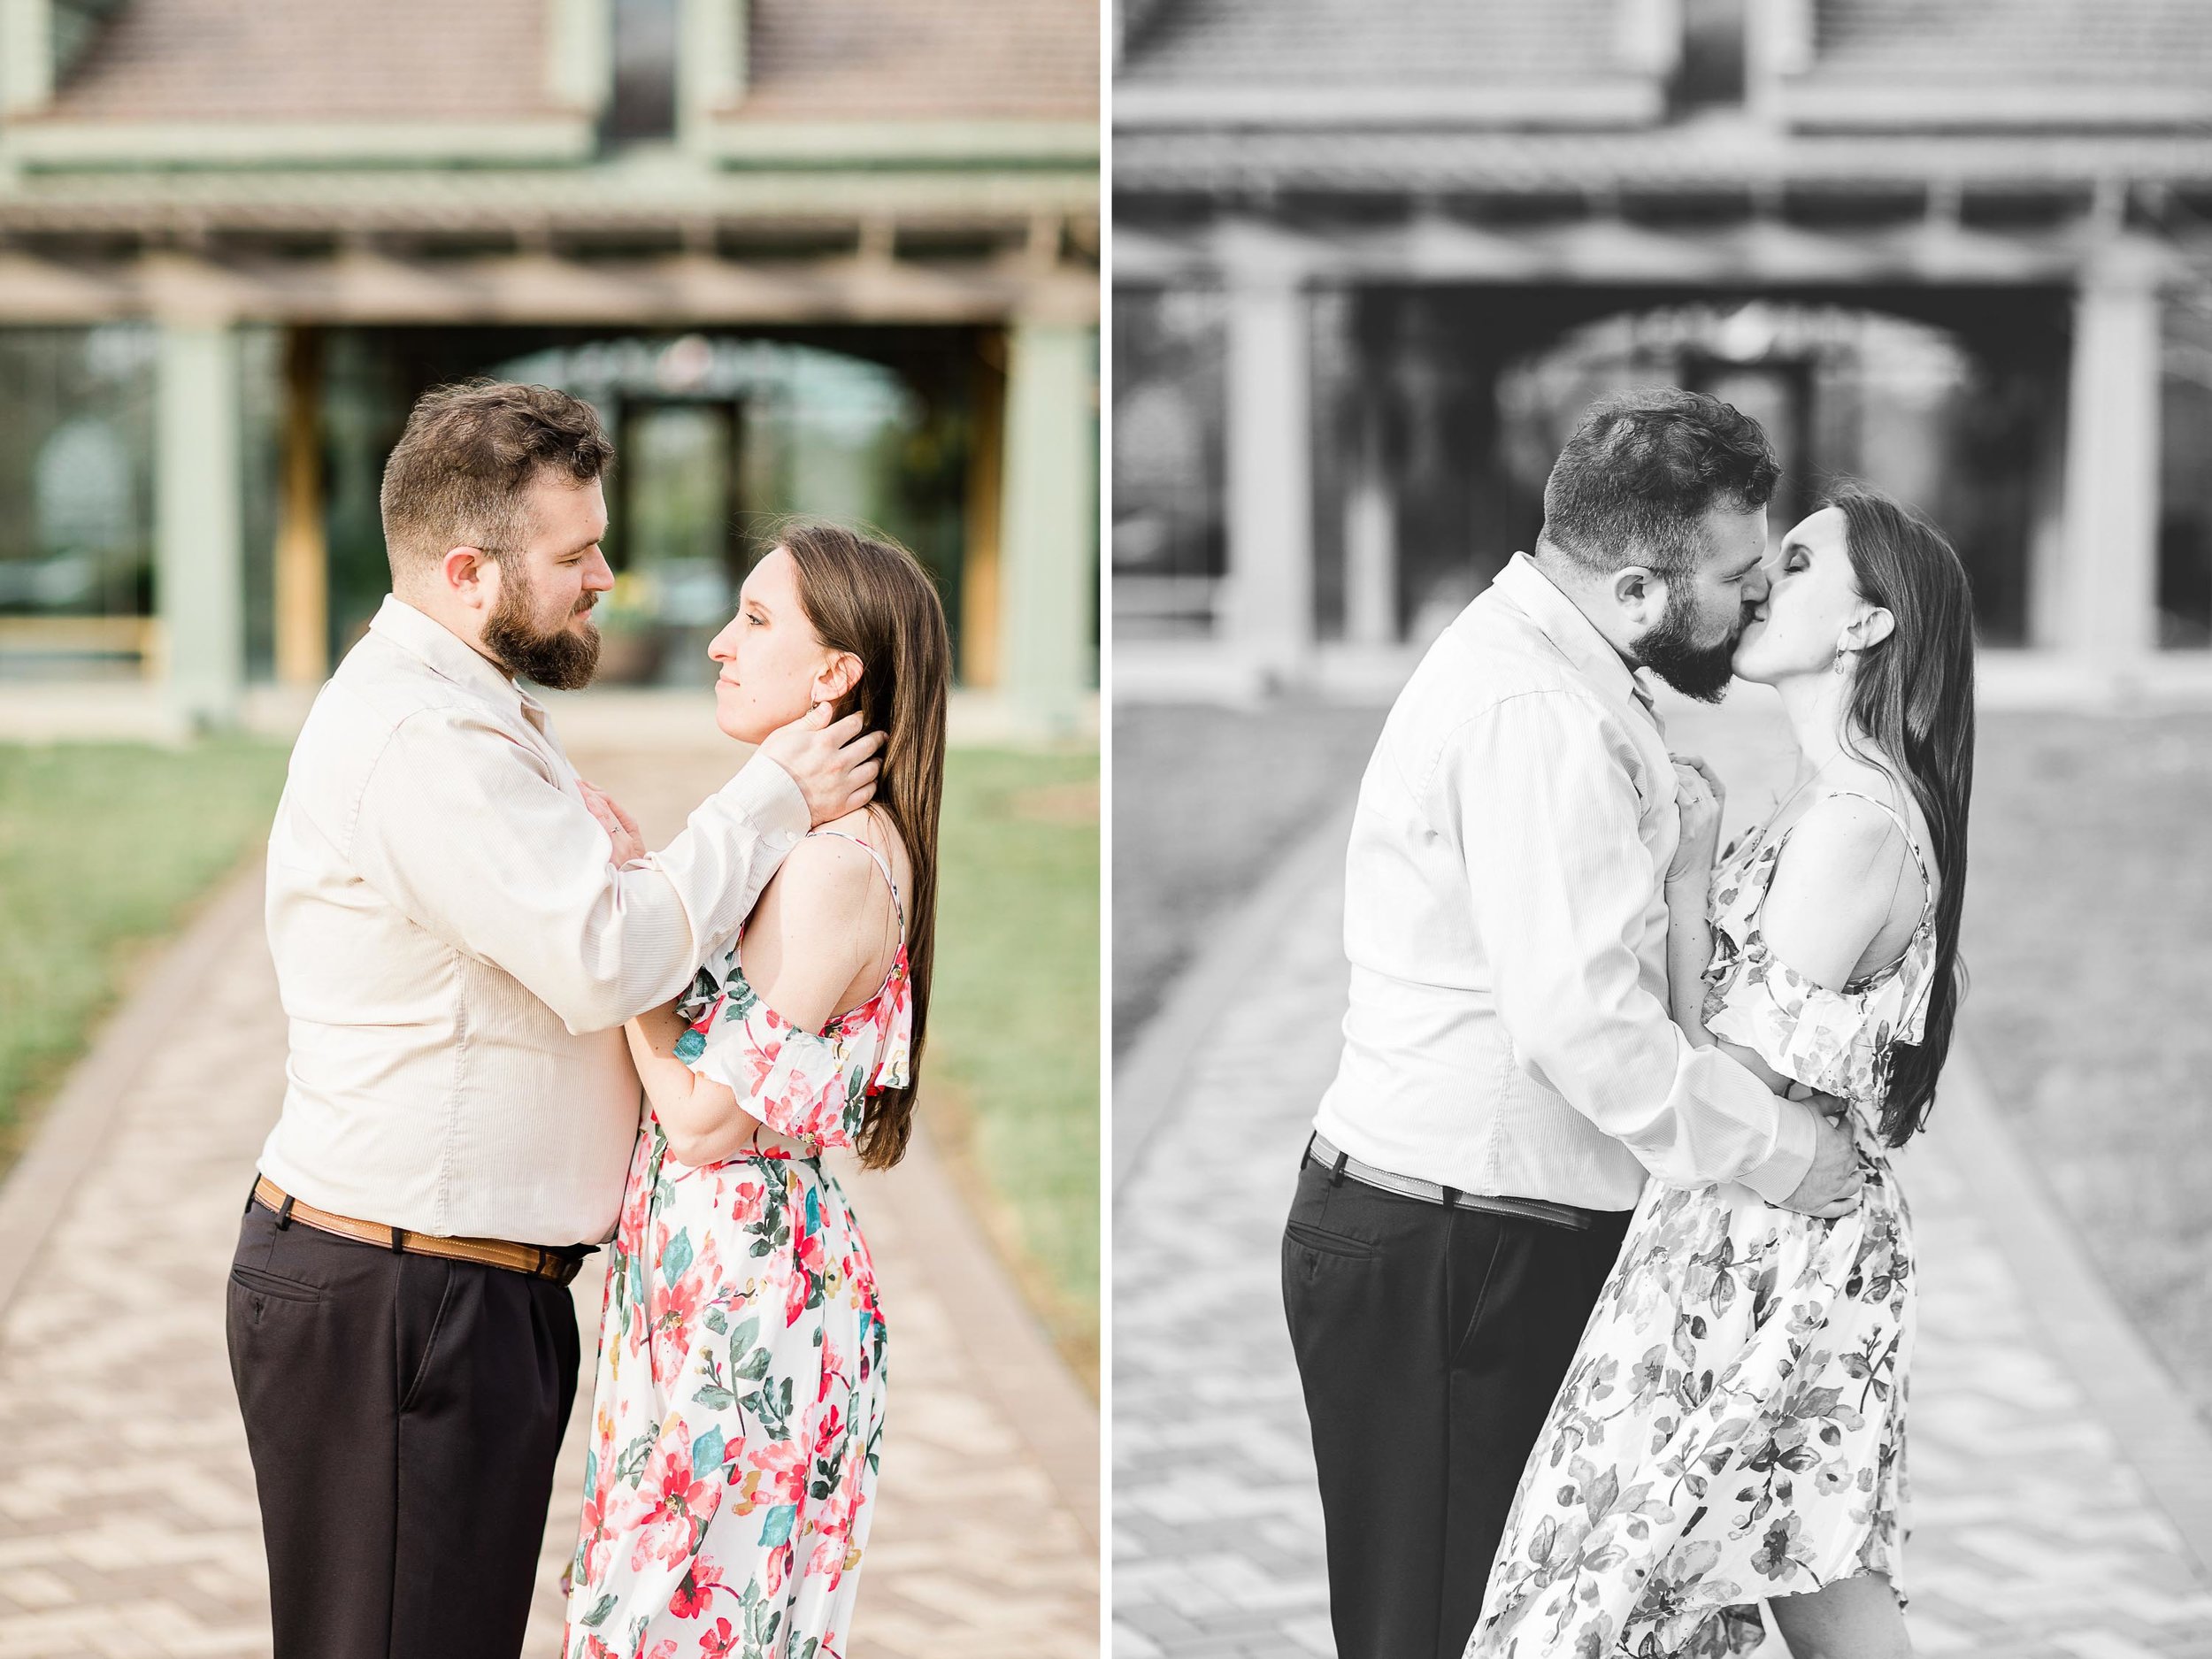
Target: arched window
{"points": [[1455, 402], [1842, 392]]}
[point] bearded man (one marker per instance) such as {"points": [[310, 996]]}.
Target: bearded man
{"points": [[457, 950], [1510, 1073]]}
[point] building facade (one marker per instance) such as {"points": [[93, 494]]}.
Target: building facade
{"points": [[836, 257], [1371, 263]]}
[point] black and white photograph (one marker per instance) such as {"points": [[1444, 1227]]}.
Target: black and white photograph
{"points": [[1661, 747]]}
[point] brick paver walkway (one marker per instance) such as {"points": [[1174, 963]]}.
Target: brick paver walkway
{"points": [[127, 1520], [2031, 1538]]}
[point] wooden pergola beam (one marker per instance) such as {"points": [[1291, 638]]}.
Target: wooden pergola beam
{"points": [[366, 285], [1756, 250]]}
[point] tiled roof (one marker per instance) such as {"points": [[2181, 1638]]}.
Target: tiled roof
{"points": [[1326, 43], [244, 60], [2114, 41], [863, 60], [832, 60]]}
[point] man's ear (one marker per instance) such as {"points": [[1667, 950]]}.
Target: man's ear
{"points": [[1641, 593], [464, 571]]}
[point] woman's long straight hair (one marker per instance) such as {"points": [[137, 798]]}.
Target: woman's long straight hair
{"points": [[874, 599], [1913, 696]]}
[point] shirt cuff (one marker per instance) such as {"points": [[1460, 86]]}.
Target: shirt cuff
{"points": [[1796, 1137], [764, 793]]}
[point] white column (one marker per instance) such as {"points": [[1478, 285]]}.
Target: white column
{"points": [[1647, 35], [580, 53], [1269, 607], [1777, 45], [2112, 465], [199, 586], [26, 56], [713, 39], [1370, 551], [1048, 520]]}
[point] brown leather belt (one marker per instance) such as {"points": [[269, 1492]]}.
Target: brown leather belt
{"points": [[540, 1261]]}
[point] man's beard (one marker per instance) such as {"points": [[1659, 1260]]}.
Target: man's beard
{"points": [[1670, 650], [559, 661]]}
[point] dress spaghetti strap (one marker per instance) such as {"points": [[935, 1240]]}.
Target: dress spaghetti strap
{"points": [[1904, 828], [882, 864]]}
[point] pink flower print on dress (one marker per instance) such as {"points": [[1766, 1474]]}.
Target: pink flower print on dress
{"points": [[681, 1506], [699, 1585], [739, 1417], [782, 1466], [748, 1197]]}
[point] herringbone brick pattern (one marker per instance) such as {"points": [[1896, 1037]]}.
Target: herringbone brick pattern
{"points": [[972, 1555], [2030, 1538], [128, 1526]]}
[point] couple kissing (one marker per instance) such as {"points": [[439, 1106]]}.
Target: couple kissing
{"points": [[1598, 1276]]}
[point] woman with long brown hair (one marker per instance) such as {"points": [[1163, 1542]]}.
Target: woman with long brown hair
{"points": [[1732, 1429], [740, 1394]]}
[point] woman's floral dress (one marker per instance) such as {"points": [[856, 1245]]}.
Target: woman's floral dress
{"points": [[1734, 1424], [739, 1402]]}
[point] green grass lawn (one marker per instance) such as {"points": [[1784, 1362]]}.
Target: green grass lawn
{"points": [[1205, 801], [102, 848], [1012, 1062], [2088, 937]]}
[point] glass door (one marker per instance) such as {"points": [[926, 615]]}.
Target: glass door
{"points": [[674, 548]]}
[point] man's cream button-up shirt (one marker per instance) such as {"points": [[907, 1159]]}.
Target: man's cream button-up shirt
{"points": [[1506, 920], [457, 951]]}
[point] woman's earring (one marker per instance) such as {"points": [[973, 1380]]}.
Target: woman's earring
{"points": [[1843, 660]]}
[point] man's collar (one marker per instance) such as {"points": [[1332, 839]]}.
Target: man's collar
{"points": [[422, 636], [1561, 621], [1642, 681]]}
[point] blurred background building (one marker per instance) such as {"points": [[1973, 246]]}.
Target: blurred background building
{"points": [[827, 256], [1371, 261]]}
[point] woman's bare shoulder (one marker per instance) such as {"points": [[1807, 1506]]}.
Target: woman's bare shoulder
{"points": [[824, 868], [873, 825], [1847, 875], [1845, 831], [829, 871], [867, 824]]}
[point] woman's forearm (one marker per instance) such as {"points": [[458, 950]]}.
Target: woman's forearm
{"points": [[1689, 952], [1689, 949], [668, 1081], [702, 1118]]}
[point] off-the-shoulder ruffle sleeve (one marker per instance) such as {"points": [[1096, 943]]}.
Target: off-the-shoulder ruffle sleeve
{"points": [[795, 1081], [1828, 1041]]}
